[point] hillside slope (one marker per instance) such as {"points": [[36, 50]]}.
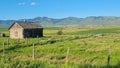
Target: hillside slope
{"points": [[92, 20]]}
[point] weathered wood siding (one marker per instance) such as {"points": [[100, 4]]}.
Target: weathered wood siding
{"points": [[34, 33], [16, 31]]}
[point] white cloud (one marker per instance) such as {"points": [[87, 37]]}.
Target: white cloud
{"points": [[21, 3], [33, 3], [24, 3]]}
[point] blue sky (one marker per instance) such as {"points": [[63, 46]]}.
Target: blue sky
{"points": [[21, 9]]}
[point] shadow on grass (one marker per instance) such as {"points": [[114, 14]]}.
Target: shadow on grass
{"points": [[73, 65], [47, 64], [50, 41], [90, 66], [15, 47]]}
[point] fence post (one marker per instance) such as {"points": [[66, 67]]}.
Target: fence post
{"points": [[18, 41], [26, 41], [109, 53], [38, 39], [67, 56], [3, 49], [33, 56], [8, 42]]}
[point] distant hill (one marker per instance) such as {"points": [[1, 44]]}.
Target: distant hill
{"points": [[92, 20], [5, 23]]}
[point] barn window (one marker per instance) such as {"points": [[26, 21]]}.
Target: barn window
{"points": [[16, 34]]}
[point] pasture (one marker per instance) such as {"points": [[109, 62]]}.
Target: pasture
{"points": [[88, 48]]}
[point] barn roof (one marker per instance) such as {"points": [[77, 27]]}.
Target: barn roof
{"points": [[27, 25]]}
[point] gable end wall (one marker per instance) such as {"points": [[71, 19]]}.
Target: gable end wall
{"points": [[16, 28]]}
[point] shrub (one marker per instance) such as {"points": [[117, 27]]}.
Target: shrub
{"points": [[77, 37], [60, 32], [51, 41]]}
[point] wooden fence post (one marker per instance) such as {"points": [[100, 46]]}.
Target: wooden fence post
{"points": [[38, 40], [17, 41], [26, 41], [33, 56], [67, 56], [8, 42], [109, 53], [3, 49]]}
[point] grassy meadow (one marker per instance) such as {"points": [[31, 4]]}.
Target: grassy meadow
{"points": [[88, 48]]}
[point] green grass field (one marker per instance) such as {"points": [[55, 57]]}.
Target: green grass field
{"points": [[89, 48]]}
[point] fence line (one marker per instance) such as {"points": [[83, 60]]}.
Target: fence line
{"points": [[67, 54]]}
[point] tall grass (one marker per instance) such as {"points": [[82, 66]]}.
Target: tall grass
{"points": [[87, 50]]}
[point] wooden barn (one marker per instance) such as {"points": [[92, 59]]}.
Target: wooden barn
{"points": [[24, 29]]}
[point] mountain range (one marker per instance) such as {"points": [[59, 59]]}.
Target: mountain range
{"points": [[69, 21]]}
